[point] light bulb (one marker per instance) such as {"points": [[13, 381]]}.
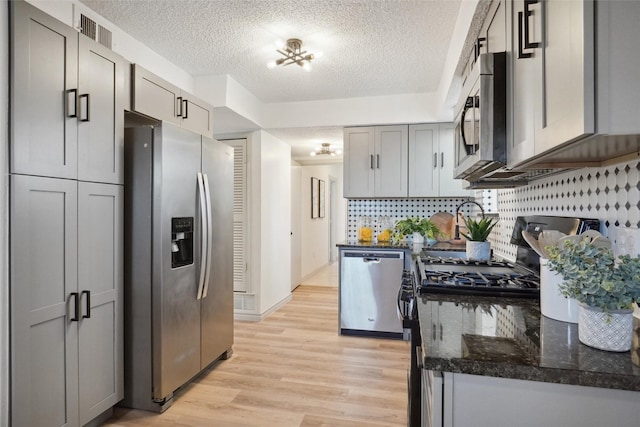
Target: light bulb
{"points": [[306, 66], [312, 154], [271, 64]]}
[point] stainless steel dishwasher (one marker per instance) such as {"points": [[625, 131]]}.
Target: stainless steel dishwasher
{"points": [[369, 282]]}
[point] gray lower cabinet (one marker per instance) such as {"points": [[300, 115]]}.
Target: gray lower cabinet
{"points": [[44, 284], [66, 300], [67, 101], [100, 281]]}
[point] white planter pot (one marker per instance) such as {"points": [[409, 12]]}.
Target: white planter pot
{"points": [[607, 331], [478, 251], [417, 238], [553, 304]]}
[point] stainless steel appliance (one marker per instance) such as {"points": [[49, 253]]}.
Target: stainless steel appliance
{"points": [[368, 289], [178, 260], [481, 119]]}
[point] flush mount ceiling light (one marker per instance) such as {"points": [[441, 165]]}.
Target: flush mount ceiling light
{"points": [[293, 54], [326, 149]]}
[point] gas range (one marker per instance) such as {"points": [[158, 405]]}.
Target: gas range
{"points": [[461, 276]]}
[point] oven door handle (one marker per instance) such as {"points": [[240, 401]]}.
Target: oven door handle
{"points": [[398, 299]]}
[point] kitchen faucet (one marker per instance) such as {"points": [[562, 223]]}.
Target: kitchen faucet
{"points": [[456, 235]]}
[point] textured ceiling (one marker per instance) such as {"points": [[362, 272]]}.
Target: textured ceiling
{"points": [[368, 47]]}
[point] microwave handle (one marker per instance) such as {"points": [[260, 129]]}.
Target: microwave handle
{"points": [[464, 113]]}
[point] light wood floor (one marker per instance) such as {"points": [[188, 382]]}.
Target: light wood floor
{"points": [[325, 276], [293, 369]]}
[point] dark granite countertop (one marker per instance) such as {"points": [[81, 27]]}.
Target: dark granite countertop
{"points": [[510, 338]]}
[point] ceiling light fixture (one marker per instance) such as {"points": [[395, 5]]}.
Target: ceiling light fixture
{"points": [[326, 149], [293, 54]]}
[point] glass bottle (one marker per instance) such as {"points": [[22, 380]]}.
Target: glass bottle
{"points": [[385, 228], [365, 229]]}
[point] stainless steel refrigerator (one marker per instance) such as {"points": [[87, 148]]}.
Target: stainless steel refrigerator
{"points": [[178, 260]]}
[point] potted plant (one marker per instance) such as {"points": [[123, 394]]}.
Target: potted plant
{"points": [[478, 248], [605, 288], [418, 228]]}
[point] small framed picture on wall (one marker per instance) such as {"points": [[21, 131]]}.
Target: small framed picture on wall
{"points": [[321, 206], [315, 199]]}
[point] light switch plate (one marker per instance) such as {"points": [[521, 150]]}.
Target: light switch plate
{"points": [[626, 241]]}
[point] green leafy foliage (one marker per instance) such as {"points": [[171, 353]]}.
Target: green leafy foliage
{"points": [[406, 227], [479, 230], [593, 276]]}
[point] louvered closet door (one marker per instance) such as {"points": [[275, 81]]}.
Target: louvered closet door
{"points": [[240, 246]]}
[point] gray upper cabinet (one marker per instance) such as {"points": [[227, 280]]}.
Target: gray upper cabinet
{"points": [[495, 29], [44, 338], [358, 162], [570, 80], [44, 135], [100, 336], [375, 161], [159, 99], [101, 105], [431, 162], [67, 102]]}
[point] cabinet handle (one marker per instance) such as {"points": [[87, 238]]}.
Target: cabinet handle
{"points": [[435, 160], [88, 305], [523, 31], [186, 108], [73, 101], [378, 161], [76, 307], [442, 160], [371, 161], [527, 14], [179, 99], [87, 103], [478, 46]]}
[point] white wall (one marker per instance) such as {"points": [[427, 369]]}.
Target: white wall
{"points": [[270, 219], [315, 232], [296, 224], [4, 218]]}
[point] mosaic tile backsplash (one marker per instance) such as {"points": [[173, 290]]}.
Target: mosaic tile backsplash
{"points": [[398, 209], [610, 194]]}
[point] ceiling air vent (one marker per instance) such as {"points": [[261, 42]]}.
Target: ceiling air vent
{"points": [[88, 27], [96, 32]]}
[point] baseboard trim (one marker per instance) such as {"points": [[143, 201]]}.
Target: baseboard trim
{"points": [[258, 317]]}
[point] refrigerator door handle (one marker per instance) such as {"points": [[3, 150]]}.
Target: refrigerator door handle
{"points": [[207, 195], [203, 233]]}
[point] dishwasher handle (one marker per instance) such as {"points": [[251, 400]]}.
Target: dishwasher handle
{"points": [[371, 259]]}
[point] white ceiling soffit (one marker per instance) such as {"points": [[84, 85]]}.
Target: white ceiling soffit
{"points": [[369, 47]]}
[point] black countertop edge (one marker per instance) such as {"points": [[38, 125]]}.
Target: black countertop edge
{"points": [[531, 373], [533, 348], [440, 246]]}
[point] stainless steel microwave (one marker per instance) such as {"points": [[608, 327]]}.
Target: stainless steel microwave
{"points": [[481, 119]]}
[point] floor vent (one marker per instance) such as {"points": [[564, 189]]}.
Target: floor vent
{"points": [[94, 31], [246, 302]]}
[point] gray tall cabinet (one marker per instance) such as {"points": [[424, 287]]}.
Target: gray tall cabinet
{"points": [[66, 154]]}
